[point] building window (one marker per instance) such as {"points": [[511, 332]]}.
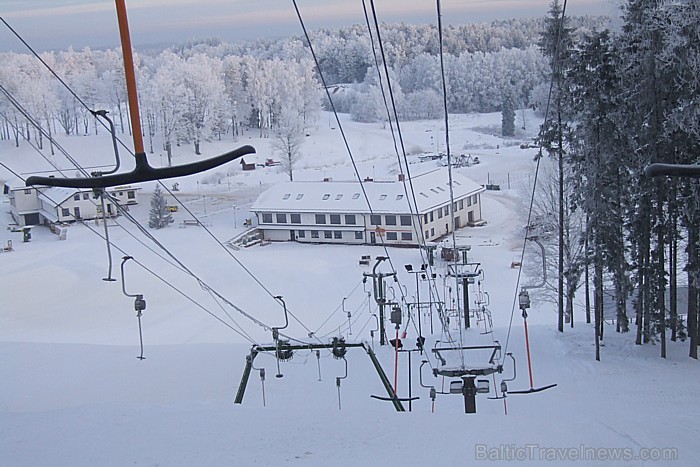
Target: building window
{"points": [[338, 234], [28, 191], [350, 219], [86, 195], [476, 199], [390, 220], [469, 201], [301, 233], [375, 219], [327, 234], [267, 218], [399, 197], [432, 232], [431, 216], [461, 204], [439, 213], [65, 212], [425, 218], [295, 218], [358, 235], [326, 196], [286, 196], [391, 236], [335, 219], [320, 218], [76, 197], [447, 210], [382, 197], [281, 218], [427, 234], [405, 220], [300, 196], [406, 236], [314, 234], [338, 196], [355, 196]]}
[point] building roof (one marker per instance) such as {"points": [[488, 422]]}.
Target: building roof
{"points": [[431, 191], [56, 195]]}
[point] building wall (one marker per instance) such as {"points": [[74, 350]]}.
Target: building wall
{"points": [[392, 229], [437, 222]]}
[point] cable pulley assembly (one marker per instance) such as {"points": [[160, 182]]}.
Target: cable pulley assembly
{"points": [[339, 349]]}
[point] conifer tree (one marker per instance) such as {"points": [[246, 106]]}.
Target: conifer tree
{"points": [[159, 216]]}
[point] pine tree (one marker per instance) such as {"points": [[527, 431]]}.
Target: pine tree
{"points": [[508, 115], [159, 216]]}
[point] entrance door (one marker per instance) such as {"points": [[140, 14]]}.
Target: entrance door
{"points": [[373, 238], [292, 235], [76, 211]]}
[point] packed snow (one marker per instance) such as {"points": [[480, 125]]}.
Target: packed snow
{"points": [[72, 391]]}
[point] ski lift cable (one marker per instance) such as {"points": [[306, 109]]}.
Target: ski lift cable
{"points": [[89, 182], [117, 204], [413, 208], [338, 308], [537, 169], [449, 170], [340, 127], [147, 269], [58, 77], [77, 165], [15, 103], [356, 315], [72, 160], [419, 235], [143, 171], [408, 187]]}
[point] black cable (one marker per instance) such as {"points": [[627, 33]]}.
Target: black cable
{"points": [[537, 168], [77, 165]]}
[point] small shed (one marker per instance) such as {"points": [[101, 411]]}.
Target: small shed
{"points": [[247, 166]]}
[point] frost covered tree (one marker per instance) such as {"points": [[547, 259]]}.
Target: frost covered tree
{"points": [[289, 137], [159, 216], [204, 98]]}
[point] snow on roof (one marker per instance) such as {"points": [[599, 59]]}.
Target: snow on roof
{"points": [[56, 195], [431, 190], [15, 184]]}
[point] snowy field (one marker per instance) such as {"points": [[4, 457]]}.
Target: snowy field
{"points": [[72, 391]]}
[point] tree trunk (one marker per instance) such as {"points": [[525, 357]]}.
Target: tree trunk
{"points": [[673, 273], [661, 273], [587, 278], [560, 283], [693, 290]]}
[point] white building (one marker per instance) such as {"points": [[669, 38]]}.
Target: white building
{"points": [[338, 212], [47, 205]]}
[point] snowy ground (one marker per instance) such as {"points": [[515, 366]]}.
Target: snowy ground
{"points": [[73, 393]]}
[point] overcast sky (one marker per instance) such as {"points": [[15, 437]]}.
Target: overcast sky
{"points": [[57, 24]]}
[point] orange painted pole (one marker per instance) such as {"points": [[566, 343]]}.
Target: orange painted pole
{"points": [[130, 77]]}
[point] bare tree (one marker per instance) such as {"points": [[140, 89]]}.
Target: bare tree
{"points": [[289, 137]]}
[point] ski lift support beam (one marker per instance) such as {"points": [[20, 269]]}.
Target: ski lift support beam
{"points": [[673, 170], [256, 349]]}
